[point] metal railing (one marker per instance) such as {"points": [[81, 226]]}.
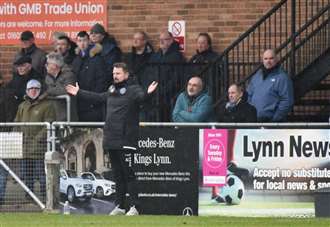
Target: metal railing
{"points": [[22, 149], [68, 105], [297, 30]]}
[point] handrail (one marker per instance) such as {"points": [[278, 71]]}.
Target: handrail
{"points": [[301, 43], [245, 34], [232, 51], [68, 104]]}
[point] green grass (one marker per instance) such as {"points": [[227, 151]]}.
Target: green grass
{"points": [[50, 220]]}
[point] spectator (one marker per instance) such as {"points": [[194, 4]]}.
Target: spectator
{"points": [[205, 55], [237, 109], [121, 131], [204, 52], [193, 105], [30, 49], [24, 72], [55, 36], [8, 102], [58, 76], [137, 61], [8, 107], [271, 90], [35, 108], [138, 58], [66, 47], [111, 53], [91, 76], [169, 50], [170, 76]]}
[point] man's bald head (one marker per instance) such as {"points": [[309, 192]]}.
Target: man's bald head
{"points": [[269, 59]]}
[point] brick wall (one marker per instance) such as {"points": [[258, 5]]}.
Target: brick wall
{"points": [[224, 20]]}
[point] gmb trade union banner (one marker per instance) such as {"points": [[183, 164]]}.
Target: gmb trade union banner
{"points": [[45, 17], [166, 169]]}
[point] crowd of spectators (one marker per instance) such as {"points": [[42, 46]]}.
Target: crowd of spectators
{"points": [[89, 61]]}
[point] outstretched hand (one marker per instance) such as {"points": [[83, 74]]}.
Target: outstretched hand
{"points": [[152, 87], [72, 90]]}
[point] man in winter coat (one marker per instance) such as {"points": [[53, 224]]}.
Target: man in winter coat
{"points": [[138, 58], [121, 130], [271, 90], [8, 102], [35, 108], [237, 109], [111, 53], [91, 76], [8, 107], [137, 61], [205, 55], [58, 76], [204, 52], [24, 72], [30, 49], [193, 105], [66, 47], [170, 76]]}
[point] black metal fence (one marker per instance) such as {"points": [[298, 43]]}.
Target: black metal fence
{"points": [[299, 31]]}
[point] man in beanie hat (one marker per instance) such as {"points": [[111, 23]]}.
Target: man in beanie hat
{"points": [[35, 108], [30, 49], [111, 53]]}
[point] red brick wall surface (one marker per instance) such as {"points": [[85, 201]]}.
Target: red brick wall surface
{"points": [[224, 20]]}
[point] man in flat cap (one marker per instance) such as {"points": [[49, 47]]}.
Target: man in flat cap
{"points": [[111, 53], [24, 72], [30, 49]]}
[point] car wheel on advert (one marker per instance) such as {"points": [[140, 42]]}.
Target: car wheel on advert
{"points": [[99, 192], [71, 194]]}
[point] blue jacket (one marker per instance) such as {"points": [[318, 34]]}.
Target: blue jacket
{"points": [[201, 108], [271, 96]]}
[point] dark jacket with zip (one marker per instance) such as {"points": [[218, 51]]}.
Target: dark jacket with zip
{"points": [[122, 119], [91, 76]]}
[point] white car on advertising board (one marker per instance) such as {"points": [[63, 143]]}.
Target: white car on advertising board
{"points": [[74, 187], [101, 186]]}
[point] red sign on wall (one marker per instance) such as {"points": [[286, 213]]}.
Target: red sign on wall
{"points": [[43, 18], [178, 30]]}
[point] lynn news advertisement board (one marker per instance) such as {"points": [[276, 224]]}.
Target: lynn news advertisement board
{"points": [[285, 168]]}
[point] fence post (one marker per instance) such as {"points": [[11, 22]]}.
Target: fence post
{"points": [[52, 164]]}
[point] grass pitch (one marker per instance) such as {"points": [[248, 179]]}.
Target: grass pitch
{"points": [[50, 220]]}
